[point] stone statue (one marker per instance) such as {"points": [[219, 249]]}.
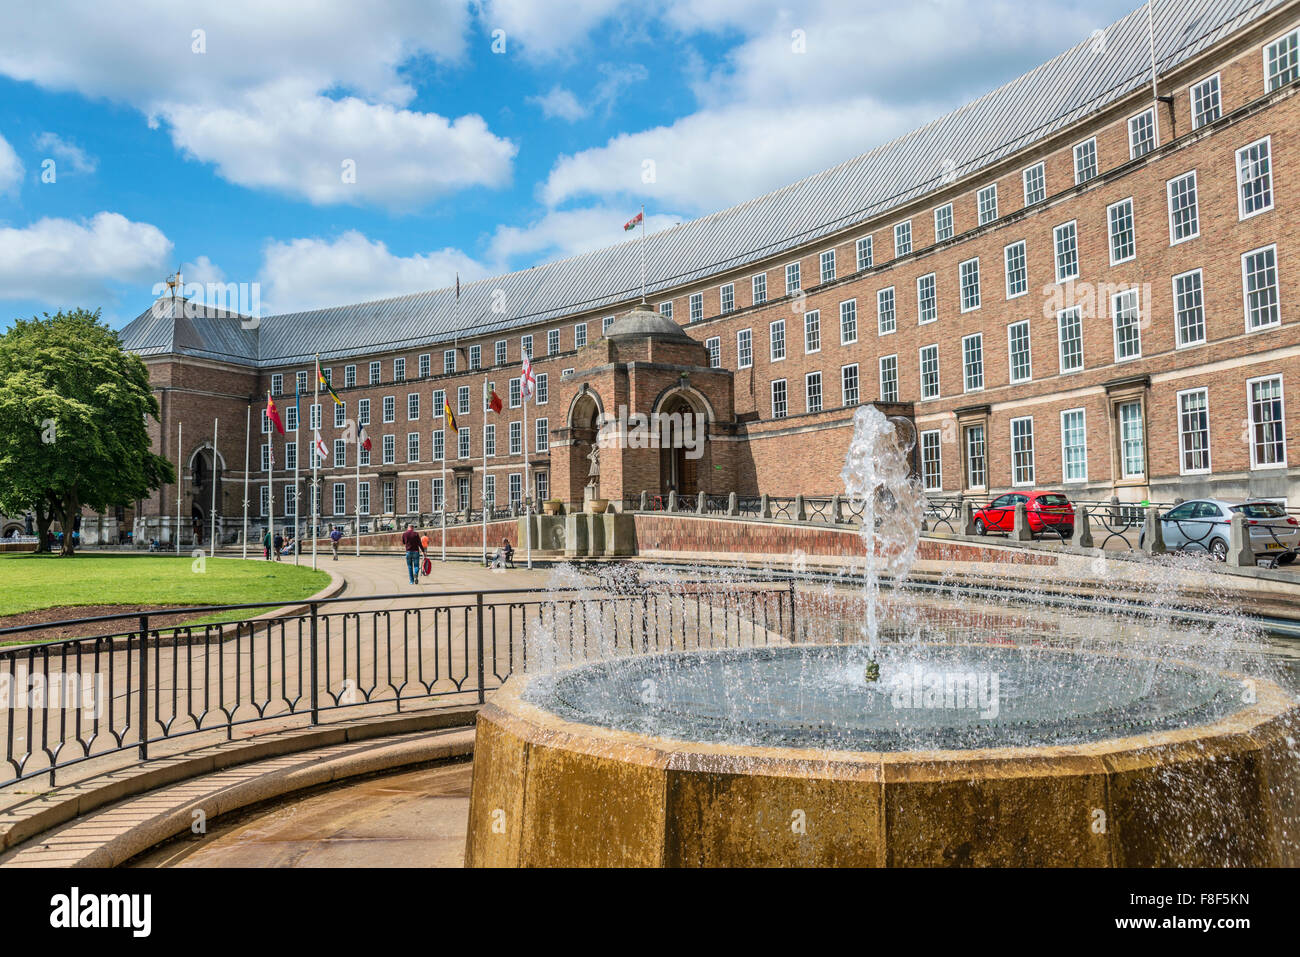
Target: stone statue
{"points": [[593, 457]]}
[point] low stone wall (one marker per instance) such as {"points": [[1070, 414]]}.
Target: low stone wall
{"points": [[458, 536]]}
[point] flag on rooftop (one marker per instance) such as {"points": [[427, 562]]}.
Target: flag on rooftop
{"points": [[631, 223]]}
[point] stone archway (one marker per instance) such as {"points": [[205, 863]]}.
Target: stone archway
{"points": [[207, 468], [583, 423], [682, 417]]}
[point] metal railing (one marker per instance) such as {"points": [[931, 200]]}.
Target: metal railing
{"points": [[138, 680]]}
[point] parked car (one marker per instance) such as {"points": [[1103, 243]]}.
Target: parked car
{"points": [[1046, 512], [1205, 523]]}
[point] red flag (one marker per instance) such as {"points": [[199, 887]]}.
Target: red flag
{"points": [[494, 403], [273, 414], [527, 381], [365, 439], [633, 221]]}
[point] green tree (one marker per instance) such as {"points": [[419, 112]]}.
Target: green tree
{"points": [[73, 411]]}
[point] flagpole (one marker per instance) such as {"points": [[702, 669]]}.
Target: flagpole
{"points": [[212, 509], [357, 529], [270, 486], [643, 299], [248, 436], [485, 466], [297, 454], [313, 501], [528, 512], [444, 482], [180, 481]]}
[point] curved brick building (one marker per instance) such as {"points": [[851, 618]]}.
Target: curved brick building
{"points": [[1082, 280]]}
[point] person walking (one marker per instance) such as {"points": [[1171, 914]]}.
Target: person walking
{"points": [[266, 545], [414, 552], [279, 544], [335, 537]]}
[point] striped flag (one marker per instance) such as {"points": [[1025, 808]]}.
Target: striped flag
{"points": [[632, 223], [364, 439], [451, 419], [324, 383]]}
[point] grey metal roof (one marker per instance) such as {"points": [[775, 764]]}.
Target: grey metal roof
{"points": [[1049, 98]]}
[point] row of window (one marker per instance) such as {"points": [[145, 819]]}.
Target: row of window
{"points": [[1265, 434], [515, 485]]}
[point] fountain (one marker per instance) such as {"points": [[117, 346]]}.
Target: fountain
{"points": [[938, 730]]}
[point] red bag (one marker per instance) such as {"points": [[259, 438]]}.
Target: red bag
{"points": [[427, 567]]}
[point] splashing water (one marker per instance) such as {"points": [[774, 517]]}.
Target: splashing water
{"points": [[878, 475]]}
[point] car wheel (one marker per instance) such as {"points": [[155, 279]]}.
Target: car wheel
{"points": [[1286, 559], [1219, 550], [979, 527]]}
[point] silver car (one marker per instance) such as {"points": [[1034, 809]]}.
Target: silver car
{"points": [[1204, 524]]}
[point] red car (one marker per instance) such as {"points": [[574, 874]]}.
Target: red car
{"points": [[1046, 511]]}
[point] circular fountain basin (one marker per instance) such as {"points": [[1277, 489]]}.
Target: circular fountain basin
{"points": [[957, 755]]}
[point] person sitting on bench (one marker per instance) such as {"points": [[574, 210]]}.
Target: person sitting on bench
{"points": [[505, 556]]}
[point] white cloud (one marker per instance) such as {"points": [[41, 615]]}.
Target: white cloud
{"points": [[560, 234], [310, 273], [11, 168], [541, 30], [559, 103], [70, 155], [62, 262], [300, 146]]}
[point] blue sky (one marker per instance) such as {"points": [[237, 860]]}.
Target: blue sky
{"points": [[485, 136]]}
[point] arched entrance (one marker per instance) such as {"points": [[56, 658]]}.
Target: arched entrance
{"points": [[206, 470], [682, 423]]}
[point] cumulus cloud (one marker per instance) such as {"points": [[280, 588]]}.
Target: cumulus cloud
{"points": [[540, 31], [69, 155], [564, 233], [309, 273], [559, 104], [63, 262], [11, 168]]}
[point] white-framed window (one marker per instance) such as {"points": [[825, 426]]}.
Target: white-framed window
{"points": [[291, 416], [542, 485], [826, 264], [462, 443], [1074, 446], [1206, 102], [462, 400], [1035, 179], [1142, 133], [526, 345], [849, 388], [412, 496], [266, 458], [340, 454], [666, 309], [375, 375], [927, 301], [412, 406], [1282, 60], [448, 361], [744, 349], [439, 445], [1259, 286], [300, 379], [565, 373], [943, 226], [489, 491], [608, 321], [439, 403], [516, 490], [1184, 216], [1069, 338], [976, 460], [1121, 230], [792, 280], [1255, 178], [514, 393], [363, 498], [363, 411], [390, 450], [552, 341], [543, 389], [399, 370], [390, 410], [541, 435], [812, 390], [490, 441], [1085, 160], [314, 418], [424, 365], [1267, 422], [1189, 308], [1125, 309], [848, 322], [727, 298], [390, 498], [886, 318], [972, 362], [266, 422], [889, 378], [778, 399], [500, 348], [696, 306], [930, 371], [812, 331], [1017, 269], [580, 329], [1020, 366], [986, 202], [1132, 441], [865, 253], [475, 358], [776, 340], [970, 284], [713, 345], [516, 438], [931, 461], [437, 494], [412, 446], [1065, 241], [1022, 451], [349, 376], [758, 287], [291, 455], [1194, 431], [902, 238], [277, 384], [291, 500]]}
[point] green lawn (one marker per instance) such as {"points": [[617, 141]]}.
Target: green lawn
{"points": [[31, 582]]}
